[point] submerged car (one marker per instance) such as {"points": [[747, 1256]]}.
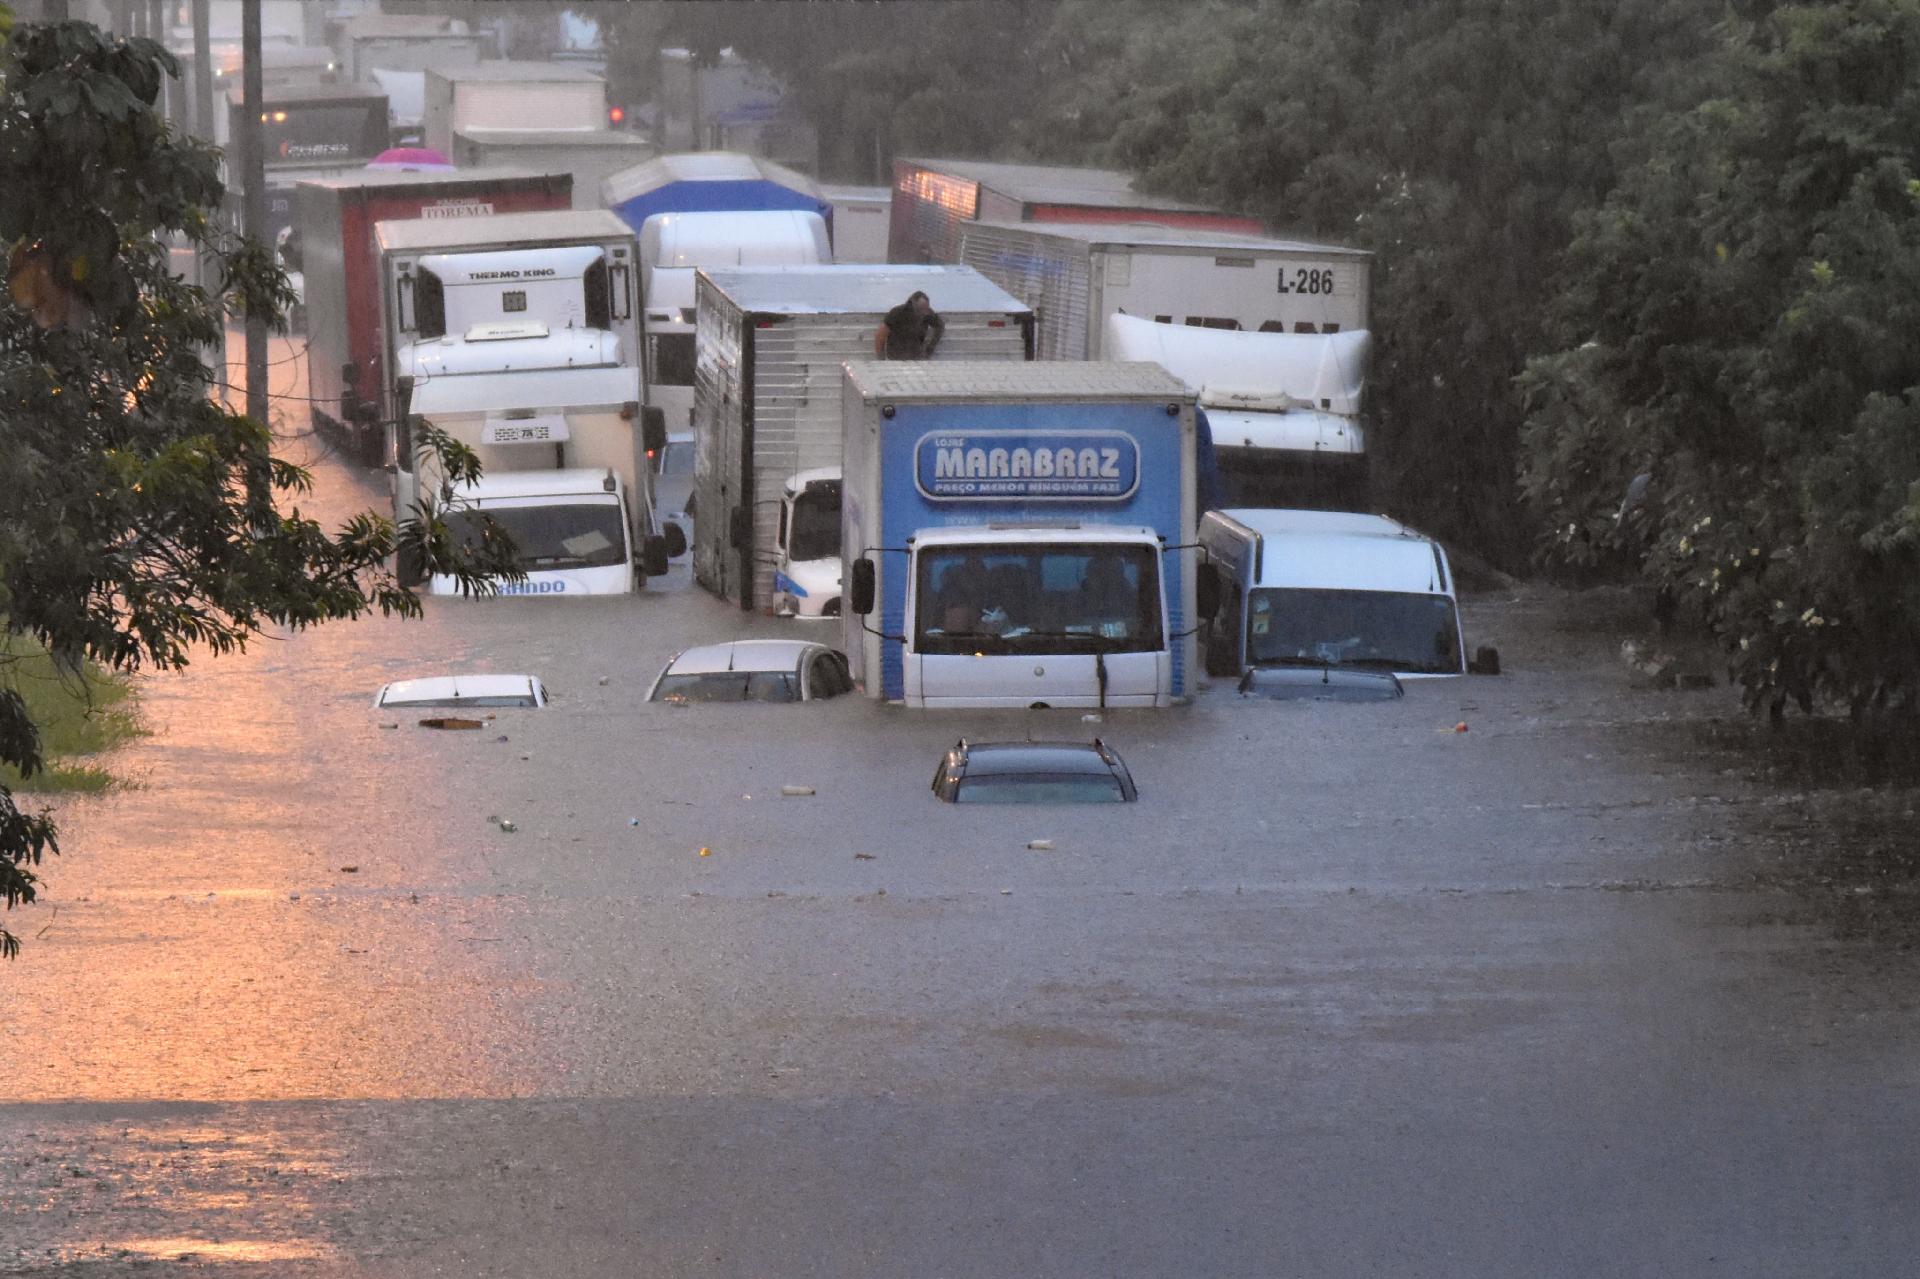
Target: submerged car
{"points": [[464, 692], [769, 670], [1034, 773]]}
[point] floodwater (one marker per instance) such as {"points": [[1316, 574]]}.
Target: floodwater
{"points": [[1349, 992]]}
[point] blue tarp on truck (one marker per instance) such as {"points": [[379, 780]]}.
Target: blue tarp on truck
{"points": [[711, 182]]}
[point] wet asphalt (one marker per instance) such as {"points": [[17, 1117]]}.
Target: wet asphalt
{"points": [[1348, 992]]}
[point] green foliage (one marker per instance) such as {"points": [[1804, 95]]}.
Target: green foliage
{"points": [[1456, 139], [77, 714], [142, 522], [1745, 305]]}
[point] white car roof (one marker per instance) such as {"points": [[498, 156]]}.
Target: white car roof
{"points": [[457, 687], [743, 655]]}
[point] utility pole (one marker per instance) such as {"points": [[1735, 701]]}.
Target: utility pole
{"points": [[204, 128], [254, 211]]}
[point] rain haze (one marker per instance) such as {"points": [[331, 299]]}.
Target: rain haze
{"points": [[1489, 905]]}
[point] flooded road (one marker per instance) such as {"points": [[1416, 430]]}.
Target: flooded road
{"points": [[1349, 992]]}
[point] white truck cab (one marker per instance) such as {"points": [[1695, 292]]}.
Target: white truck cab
{"points": [[1036, 615], [570, 525], [1328, 589], [806, 547]]}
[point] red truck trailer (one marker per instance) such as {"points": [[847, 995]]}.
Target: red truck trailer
{"points": [[334, 218], [933, 199]]}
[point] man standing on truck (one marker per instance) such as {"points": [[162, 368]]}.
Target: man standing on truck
{"points": [[910, 331]]}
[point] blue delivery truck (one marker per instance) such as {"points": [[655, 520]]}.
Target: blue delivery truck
{"points": [[1019, 535]]}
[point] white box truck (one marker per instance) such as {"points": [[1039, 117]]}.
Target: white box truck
{"points": [[1075, 275], [511, 95], [518, 335], [1323, 590], [1019, 534], [767, 390], [672, 247]]}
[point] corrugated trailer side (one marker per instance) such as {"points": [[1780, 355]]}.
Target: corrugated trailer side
{"points": [[767, 386], [1051, 275]]}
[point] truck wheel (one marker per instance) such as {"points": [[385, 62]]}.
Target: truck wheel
{"points": [[1219, 663], [408, 568]]}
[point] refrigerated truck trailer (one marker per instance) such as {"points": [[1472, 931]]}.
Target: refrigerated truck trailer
{"points": [[934, 199], [506, 293], [1019, 534], [1283, 410], [767, 388], [335, 220], [1075, 275]]}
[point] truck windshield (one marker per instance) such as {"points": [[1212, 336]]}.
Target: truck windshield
{"points": [[816, 523], [551, 536], [1052, 598], [1384, 630]]}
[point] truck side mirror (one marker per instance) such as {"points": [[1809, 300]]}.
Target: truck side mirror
{"points": [[1206, 592], [860, 597], [350, 373], [740, 527], [1486, 661], [653, 428], [675, 539], [653, 557]]}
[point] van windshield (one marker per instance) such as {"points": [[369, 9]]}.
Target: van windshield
{"points": [[1385, 630], [551, 536], [1060, 597]]}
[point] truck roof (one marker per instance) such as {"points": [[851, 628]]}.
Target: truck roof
{"points": [[1341, 550], [612, 139], [460, 180], [514, 70], [571, 481], [860, 290], [815, 475], [545, 226], [1062, 531], [387, 25], [1077, 381], [289, 94], [1057, 184], [1128, 235], [701, 166]]}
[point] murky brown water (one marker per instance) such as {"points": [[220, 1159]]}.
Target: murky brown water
{"points": [[1558, 992]]}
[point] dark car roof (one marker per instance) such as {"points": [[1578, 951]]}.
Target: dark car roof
{"points": [[991, 758]]}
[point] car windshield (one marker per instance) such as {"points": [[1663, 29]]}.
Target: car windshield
{"points": [[1060, 597], [677, 458], [816, 523], [1384, 630], [550, 536], [1039, 788], [729, 686]]}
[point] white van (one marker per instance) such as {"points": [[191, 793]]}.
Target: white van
{"points": [[1328, 589]]}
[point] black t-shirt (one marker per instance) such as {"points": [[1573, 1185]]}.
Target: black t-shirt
{"points": [[910, 335]]}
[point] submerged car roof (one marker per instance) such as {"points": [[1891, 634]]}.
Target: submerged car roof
{"points": [[457, 687], [994, 758], [1343, 551], [742, 655]]}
